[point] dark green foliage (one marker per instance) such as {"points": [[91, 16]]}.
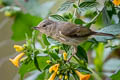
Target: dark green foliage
{"points": [[116, 76], [81, 54], [57, 17]]}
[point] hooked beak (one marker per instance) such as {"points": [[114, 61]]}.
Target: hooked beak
{"points": [[36, 28]]}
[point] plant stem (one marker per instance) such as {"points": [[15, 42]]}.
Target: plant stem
{"points": [[75, 14], [95, 74], [41, 43], [95, 18]]}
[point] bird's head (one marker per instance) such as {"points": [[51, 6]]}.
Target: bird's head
{"points": [[45, 26]]}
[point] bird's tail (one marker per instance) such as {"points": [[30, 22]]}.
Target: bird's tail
{"points": [[104, 34]]}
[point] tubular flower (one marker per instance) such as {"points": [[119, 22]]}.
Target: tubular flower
{"points": [[82, 76], [54, 68], [18, 48], [65, 56], [116, 2], [52, 77], [15, 61]]}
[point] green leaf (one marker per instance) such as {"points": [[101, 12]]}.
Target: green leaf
{"points": [[112, 29], [41, 76], [98, 61], [79, 21], [54, 56], [87, 5], [42, 61], [81, 54], [87, 45], [85, 70], [116, 76], [37, 9], [8, 2], [25, 68], [106, 18], [57, 17], [23, 25], [75, 76], [46, 42], [65, 47], [68, 16], [31, 65], [36, 62], [99, 21], [65, 6]]}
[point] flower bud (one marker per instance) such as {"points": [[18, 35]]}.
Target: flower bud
{"points": [[60, 76], [18, 48], [65, 56], [66, 77]]}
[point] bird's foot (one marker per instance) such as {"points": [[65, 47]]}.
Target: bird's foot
{"points": [[73, 54]]}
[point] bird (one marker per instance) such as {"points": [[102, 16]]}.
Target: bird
{"points": [[66, 32]]}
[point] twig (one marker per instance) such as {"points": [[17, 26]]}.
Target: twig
{"points": [[74, 52], [95, 18]]}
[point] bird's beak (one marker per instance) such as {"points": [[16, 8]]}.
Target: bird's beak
{"points": [[36, 28]]}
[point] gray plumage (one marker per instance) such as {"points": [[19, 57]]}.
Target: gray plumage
{"points": [[65, 32]]}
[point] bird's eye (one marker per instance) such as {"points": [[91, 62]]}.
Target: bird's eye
{"points": [[47, 23], [44, 25]]}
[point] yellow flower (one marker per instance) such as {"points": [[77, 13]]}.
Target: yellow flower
{"points": [[65, 56], [82, 76], [60, 76], [18, 48], [116, 2], [52, 77], [15, 61], [54, 68], [66, 77], [48, 61]]}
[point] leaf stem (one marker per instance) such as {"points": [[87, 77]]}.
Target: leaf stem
{"points": [[76, 59]]}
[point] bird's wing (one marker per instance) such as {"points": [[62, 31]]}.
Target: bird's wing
{"points": [[77, 32]]}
